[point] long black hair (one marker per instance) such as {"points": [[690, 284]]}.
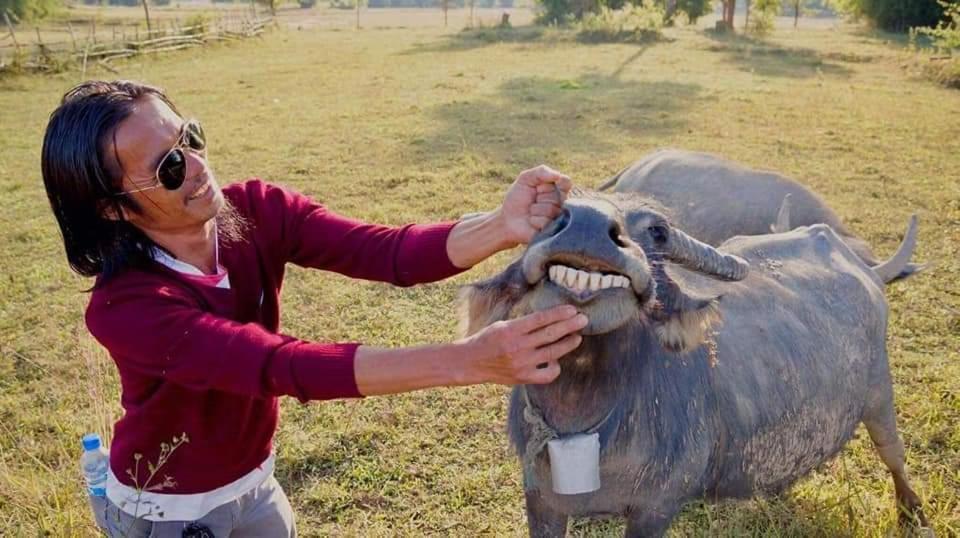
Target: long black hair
{"points": [[82, 177]]}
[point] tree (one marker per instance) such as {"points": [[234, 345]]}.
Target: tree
{"points": [[896, 15], [694, 8], [560, 11], [726, 22], [763, 13], [28, 9]]}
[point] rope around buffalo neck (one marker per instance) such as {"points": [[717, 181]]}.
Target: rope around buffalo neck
{"points": [[542, 433]]}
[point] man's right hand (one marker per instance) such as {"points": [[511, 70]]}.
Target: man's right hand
{"points": [[523, 350]]}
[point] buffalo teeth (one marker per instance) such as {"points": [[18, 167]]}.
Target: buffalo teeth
{"points": [[578, 280], [583, 280]]}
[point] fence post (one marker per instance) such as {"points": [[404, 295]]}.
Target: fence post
{"points": [[146, 12], [73, 36], [13, 36]]}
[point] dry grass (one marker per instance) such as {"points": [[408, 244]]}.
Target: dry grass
{"points": [[417, 124]]}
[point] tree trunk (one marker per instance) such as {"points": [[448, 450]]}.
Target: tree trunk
{"points": [[671, 10], [746, 17], [731, 10], [796, 12]]}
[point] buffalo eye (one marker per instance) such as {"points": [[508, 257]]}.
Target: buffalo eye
{"points": [[658, 233]]}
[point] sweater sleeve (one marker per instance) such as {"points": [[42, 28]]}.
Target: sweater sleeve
{"points": [[313, 236], [159, 331]]}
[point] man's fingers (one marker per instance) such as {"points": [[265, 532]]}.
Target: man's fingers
{"points": [[542, 174], [556, 350], [565, 184], [555, 331], [540, 209], [544, 375], [531, 322], [539, 222]]}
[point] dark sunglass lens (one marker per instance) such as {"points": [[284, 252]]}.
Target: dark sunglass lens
{"points": [[173, 170], [195, 137]]}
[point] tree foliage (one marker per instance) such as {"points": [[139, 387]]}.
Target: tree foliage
{"points": [[761, 15], [566, 11], [694, 8], [896, 15], [29, 9], [946, 35]]}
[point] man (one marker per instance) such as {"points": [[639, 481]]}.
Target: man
{"points": [[186, 300]]}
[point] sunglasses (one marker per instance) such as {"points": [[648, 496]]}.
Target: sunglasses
{"points": [[172, 170]]}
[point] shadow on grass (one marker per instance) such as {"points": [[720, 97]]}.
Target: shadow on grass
{"points": [[771, 60], [531, 118], [473, 38]]}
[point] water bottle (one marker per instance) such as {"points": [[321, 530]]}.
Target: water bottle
{"points": [[95, 462]]}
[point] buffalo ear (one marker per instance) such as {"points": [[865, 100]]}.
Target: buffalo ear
{"points": [[684, 322], [488, 301]]}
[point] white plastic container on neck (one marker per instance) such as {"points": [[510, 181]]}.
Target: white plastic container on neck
{"points": [[575, 463]]}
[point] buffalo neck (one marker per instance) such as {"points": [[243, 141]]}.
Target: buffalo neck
{"points": [[592, 383]]}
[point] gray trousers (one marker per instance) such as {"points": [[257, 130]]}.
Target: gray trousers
{"points": [[263, 512]]}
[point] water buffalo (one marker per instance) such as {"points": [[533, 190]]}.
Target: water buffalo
{"points": [[715, 199], [706, 372]]}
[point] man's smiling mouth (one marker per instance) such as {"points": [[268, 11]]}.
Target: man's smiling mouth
{"points": [[201, 191]]}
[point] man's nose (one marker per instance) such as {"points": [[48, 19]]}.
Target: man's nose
{"points": [[196, 161]]}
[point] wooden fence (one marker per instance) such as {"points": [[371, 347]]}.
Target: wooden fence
{"points": [[18, 54]]}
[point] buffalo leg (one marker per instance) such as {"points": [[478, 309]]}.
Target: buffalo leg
{"points": [[881, 422], [543, 521], [648, 523]]}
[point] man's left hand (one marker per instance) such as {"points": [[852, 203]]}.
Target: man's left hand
{"points": [[532, 202]]}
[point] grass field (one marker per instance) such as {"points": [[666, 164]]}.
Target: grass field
{"points": [[414, 124]]}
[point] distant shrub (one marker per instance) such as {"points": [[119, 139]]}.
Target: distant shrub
{"points": [[564, 12], [554, 11], [306, 4], [694, 9], [505, 3], [895, 15], [633, 23], [762, 14], [503, 33], [946, 35], [29, 9], [945, 68]]}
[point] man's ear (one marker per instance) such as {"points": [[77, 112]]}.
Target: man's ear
{"points": [[112, 210], [488, 301]]}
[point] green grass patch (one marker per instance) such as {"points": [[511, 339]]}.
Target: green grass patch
{"points": [[397, 126]]}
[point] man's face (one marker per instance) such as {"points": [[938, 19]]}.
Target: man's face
{"points": [[142, 141]]}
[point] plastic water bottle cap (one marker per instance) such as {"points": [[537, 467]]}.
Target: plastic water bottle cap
{"points": [[91, 441]]}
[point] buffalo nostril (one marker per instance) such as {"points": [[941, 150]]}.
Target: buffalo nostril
{"points": [[616, 235], [559, 223]]}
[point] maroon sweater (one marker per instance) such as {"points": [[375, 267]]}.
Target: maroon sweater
{"points": [[209, 362]]}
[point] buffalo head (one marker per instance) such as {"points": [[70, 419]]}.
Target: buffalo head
{"points": [[608, 255]]}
